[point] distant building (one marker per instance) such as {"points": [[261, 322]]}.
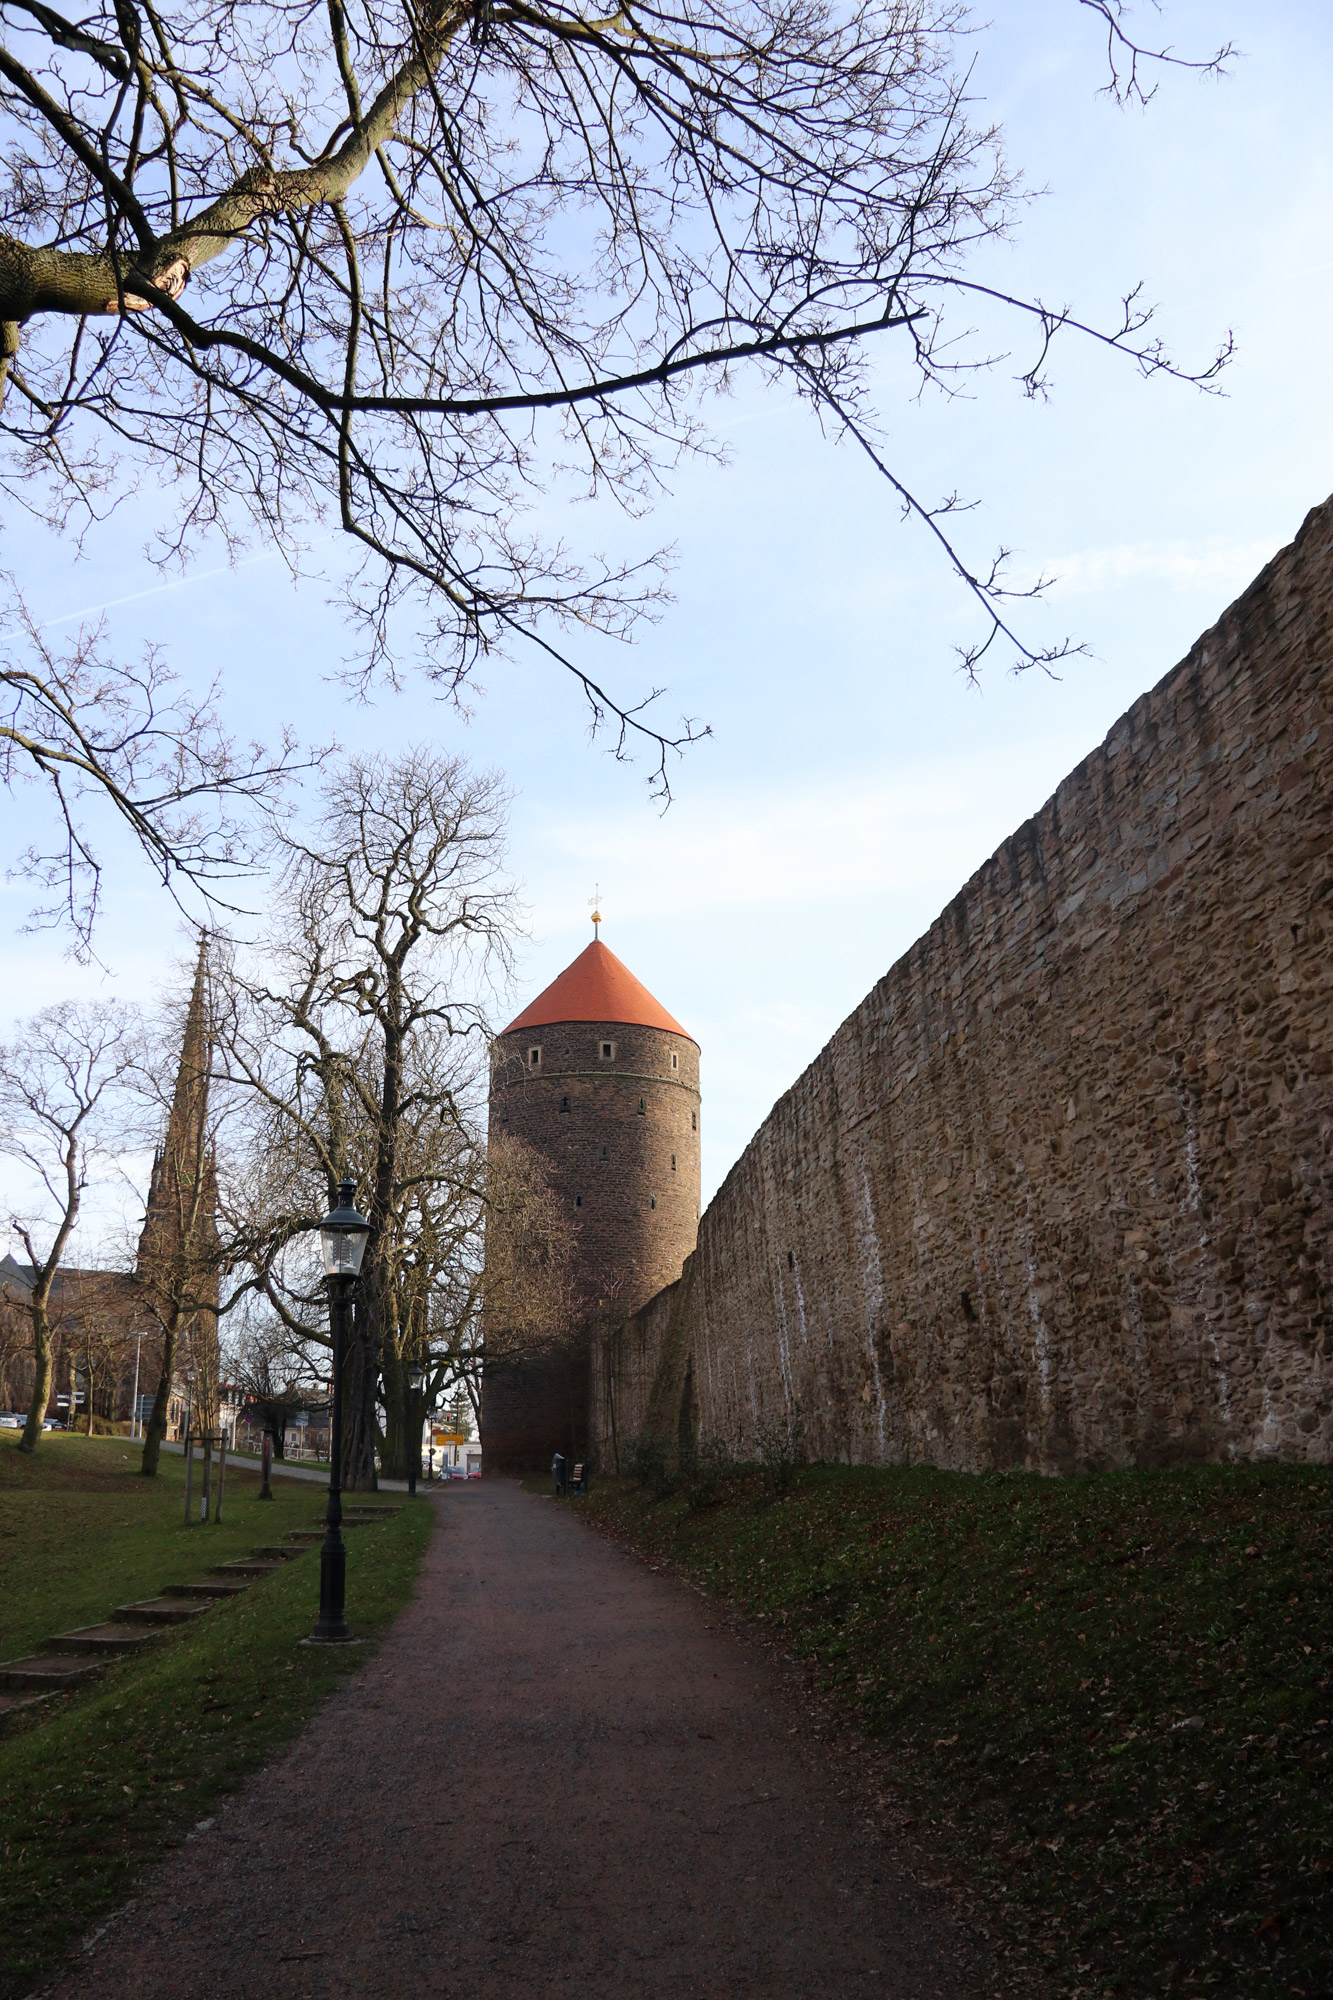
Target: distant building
{"points": [[98, 1329], [453, 1452]]}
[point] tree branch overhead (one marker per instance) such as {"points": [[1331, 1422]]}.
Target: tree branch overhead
{"points": [[409, 267]]}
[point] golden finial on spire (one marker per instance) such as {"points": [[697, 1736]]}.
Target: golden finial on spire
{"points": [[595, 905]]}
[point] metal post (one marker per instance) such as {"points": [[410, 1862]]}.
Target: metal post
{"points": [[222, 1474], [266, 1465], [189, 1470], [134, 1405], [332, 1624], [413, 1444], [207, 1493]]}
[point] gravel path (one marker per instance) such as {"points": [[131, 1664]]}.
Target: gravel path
{"points": [[561, 1774], [281, 1468]]}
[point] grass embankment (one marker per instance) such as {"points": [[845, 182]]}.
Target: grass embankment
{"points": [[95, 1783], [1110, 1694]]}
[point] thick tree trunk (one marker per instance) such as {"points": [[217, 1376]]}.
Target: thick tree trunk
{"points": [[396, 1443], [157, 1422], [43, 1369], [361, 1373]]}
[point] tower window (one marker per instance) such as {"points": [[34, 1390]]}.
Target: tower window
{"points": [[578, 1201], [652, 1201], [675, 1062], [605, 1153], [564, 1104], [673, 1163], [534, 1058], [608, 1051], [694, 1121], [643, 1109]]}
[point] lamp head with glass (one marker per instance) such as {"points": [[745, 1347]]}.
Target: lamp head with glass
{"points": [[343, 1234]]}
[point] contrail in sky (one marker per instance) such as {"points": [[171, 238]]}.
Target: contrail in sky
{"points": [[157, 590]]}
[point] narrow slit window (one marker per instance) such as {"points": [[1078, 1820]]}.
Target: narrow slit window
{"points": [[694, 1121], [652, 1201], [578, 1201], [675, 1062], [643, 1109], [673, 1163], [564, 1104], [605, 1153]]}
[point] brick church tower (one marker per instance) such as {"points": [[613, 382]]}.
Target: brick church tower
{"points": [[598, 1078]]}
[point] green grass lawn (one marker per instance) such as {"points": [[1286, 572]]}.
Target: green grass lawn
{"points": [[96, 1782], [1110, 1694]]}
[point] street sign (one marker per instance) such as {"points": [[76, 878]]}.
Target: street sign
{"points": [[448, 1437]]}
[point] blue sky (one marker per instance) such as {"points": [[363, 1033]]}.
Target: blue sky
{"points": [[853, 780]]}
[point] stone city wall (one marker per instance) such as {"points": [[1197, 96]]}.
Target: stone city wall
{"points": [[1056, 1194]]}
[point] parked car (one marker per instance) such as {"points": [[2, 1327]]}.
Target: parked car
{"points": [[9, 1422]]}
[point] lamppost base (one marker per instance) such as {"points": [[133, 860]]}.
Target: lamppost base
{"points": [[331, 1639]]}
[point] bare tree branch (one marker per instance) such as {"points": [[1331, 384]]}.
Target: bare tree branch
{"points": [[409, 270], [96, 734]]}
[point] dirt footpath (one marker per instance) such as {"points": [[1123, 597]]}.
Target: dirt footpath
{"points": [[562, 1774]]}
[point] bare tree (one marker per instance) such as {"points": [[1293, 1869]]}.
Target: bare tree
{"points": [[273, 1373], [62, 1102], [405, 269], [115, 742], [360, 1037]]}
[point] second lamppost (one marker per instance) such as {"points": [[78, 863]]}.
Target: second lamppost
{"points": [[416, 1375], [342, 1236]]}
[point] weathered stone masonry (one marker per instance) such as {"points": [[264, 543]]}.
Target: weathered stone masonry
{"points": [[1057, 1193]]}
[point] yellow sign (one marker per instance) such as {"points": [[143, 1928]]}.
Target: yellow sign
{"points": [[448, 1437]]}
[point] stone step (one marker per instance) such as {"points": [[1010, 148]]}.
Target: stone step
{"points": [[105, 1639], [207, 1587], [246, 1567], [14, 1704], [48, 1672], [160, 1611], [306, 1535], [358, 1516], [275, 1552]]}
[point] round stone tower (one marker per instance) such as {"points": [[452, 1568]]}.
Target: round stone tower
{"points": [[599, 1079]]}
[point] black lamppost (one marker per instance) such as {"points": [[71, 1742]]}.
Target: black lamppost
{"points": [[342, 1236], [416, 1375]]}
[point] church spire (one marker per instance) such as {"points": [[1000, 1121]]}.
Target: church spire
{"points": [[177, 1260]]}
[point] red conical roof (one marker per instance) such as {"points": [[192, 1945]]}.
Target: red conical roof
{"points": [[597, 987]]}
